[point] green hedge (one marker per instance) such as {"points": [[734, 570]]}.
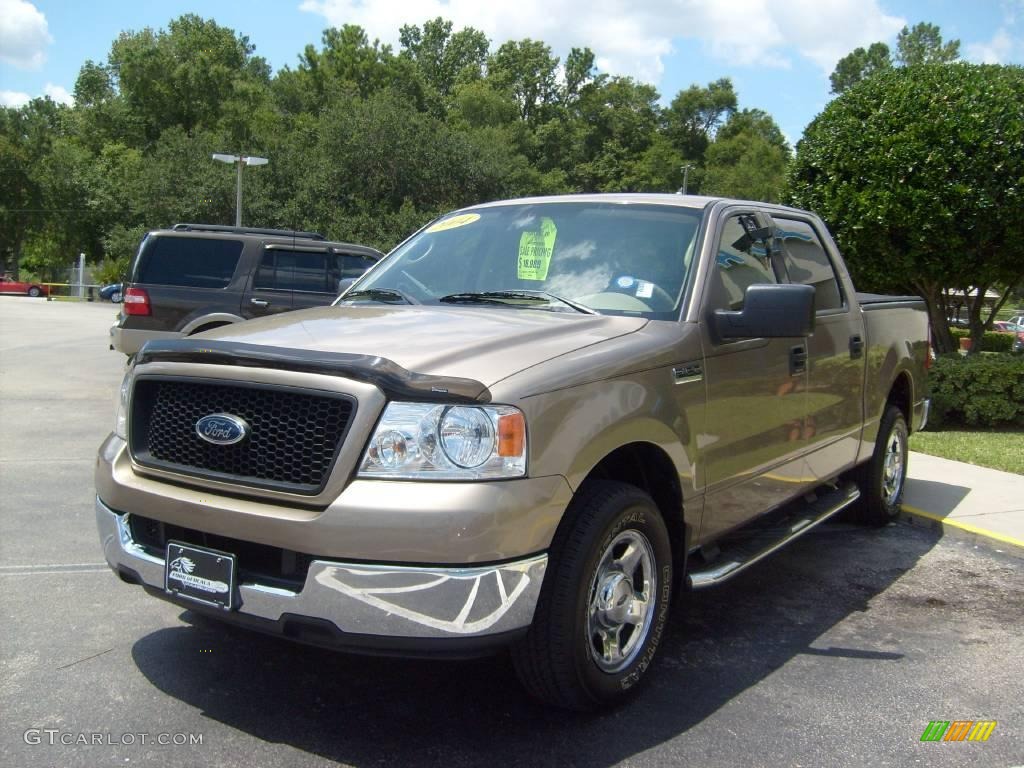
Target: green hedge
{"points": [[991, 341], [982, 390]]}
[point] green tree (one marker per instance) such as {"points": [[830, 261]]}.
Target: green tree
{"points": [[182, 76], [748, 158], [858, 64], [527, 70], [923, 44], [445, 58], [693, 117], [920, 44], [917, 172]]}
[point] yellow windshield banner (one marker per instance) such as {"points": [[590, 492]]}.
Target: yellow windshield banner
{"points": [[535, 249], [455, 221]]}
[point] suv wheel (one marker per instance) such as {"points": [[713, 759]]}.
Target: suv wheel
{"points": [[604, 603], [882, 477]]}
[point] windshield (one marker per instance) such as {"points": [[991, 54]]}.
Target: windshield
{"points": [[610, 258]]}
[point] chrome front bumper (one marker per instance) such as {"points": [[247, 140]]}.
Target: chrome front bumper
{"points": [[369, 601]]}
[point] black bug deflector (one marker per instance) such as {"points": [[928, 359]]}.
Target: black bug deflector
{"points": [[395, 381]]}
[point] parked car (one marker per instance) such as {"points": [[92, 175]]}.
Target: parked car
{"points": [[196, 277], [9, 285], [113, 292], [1010, 327], [1017, 320], [531, 426]]}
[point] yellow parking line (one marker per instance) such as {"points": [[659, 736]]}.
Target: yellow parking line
{"points": [[964, 526]]}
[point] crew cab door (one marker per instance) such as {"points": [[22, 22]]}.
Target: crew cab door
{"points": [[835, 353], [754, 442]]}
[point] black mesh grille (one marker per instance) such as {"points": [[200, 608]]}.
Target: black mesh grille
{"points": [[293, 441]]}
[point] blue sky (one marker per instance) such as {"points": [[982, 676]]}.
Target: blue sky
{"points": [[777, 52]]}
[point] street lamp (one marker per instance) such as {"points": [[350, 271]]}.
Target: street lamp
{"points": [[686, 178], [239, 160]]}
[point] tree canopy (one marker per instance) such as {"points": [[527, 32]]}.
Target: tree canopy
{"points": [[920, 44], [365, 142], [918, 172]]}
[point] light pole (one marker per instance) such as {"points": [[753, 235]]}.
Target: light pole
{"points": [[239, 160], [686, 178]]}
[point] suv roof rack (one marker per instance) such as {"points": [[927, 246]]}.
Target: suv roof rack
{"points": [[247, 231]]}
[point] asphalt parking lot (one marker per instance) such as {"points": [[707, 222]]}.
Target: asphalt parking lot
{"points": [[836, 652]]}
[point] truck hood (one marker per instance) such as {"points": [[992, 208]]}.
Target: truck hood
{"points": [[485, 344]]}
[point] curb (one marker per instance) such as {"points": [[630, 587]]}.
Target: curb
{"points": [[919, 516]]}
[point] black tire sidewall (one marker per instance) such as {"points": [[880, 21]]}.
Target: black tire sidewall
{"points": [[640, 514], [892, 422], [34, 292]]}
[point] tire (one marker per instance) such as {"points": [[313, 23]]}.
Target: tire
{"points": [[115, 297], [882, 478], [34, 292], [589, 600]]}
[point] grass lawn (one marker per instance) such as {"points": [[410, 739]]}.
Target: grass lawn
{"points": [[987, 448]]}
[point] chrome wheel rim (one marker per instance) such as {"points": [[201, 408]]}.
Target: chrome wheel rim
{"points": [[622, 597], [892, 466]]}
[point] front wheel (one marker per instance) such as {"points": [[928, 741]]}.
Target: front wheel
{"points": [[605, 600], [115, 297], [34, 292], [882, 477]]}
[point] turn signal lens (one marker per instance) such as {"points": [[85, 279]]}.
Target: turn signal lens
{"points": [[511, 434]]}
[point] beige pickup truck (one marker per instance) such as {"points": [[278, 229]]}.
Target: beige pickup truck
{"points": [[534, 425]]}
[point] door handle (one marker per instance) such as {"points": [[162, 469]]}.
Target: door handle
{"points": [[856, 347], [797, 360], [260, 302]]}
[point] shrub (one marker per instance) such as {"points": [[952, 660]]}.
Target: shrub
{"points": [[983, 390], [991, 341]]}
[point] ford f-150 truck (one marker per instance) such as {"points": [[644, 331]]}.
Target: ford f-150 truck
{"points": [[533, 425]]}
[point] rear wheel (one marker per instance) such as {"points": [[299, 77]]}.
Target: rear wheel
{"points": [[604, 603], [34, 291], [881, 479]]}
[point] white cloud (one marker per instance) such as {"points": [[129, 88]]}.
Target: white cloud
{"points": [[995, 51], [14, 98], [632, 38], [24, 34], [58, 93]]}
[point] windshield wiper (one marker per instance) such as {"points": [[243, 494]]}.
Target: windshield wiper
{"points": [[380, 294], [498, 297]]}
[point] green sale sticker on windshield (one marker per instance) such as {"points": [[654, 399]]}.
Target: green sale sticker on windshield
{"points": [[535, 249]]}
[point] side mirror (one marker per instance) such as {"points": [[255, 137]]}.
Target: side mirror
{"points": [[770, 311], [345, 283]]}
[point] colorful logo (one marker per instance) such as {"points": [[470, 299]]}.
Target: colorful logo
{"points": [[958, 730]]}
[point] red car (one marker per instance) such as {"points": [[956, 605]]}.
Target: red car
{"points": [[1009, 327], [10, 285]]}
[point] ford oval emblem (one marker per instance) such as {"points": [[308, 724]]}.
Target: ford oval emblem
{"points": [[222, 429]]}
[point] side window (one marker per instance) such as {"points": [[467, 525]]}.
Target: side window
{"points": [[807, 263], [353, 265], [741, 262], [293, 271], [189, 262], [266, 275]]}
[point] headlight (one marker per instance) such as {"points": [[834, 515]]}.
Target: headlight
{"points": [[121, 407], [447, 442]]}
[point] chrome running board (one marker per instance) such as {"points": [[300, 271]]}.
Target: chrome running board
{"points": [[759, 542]]}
